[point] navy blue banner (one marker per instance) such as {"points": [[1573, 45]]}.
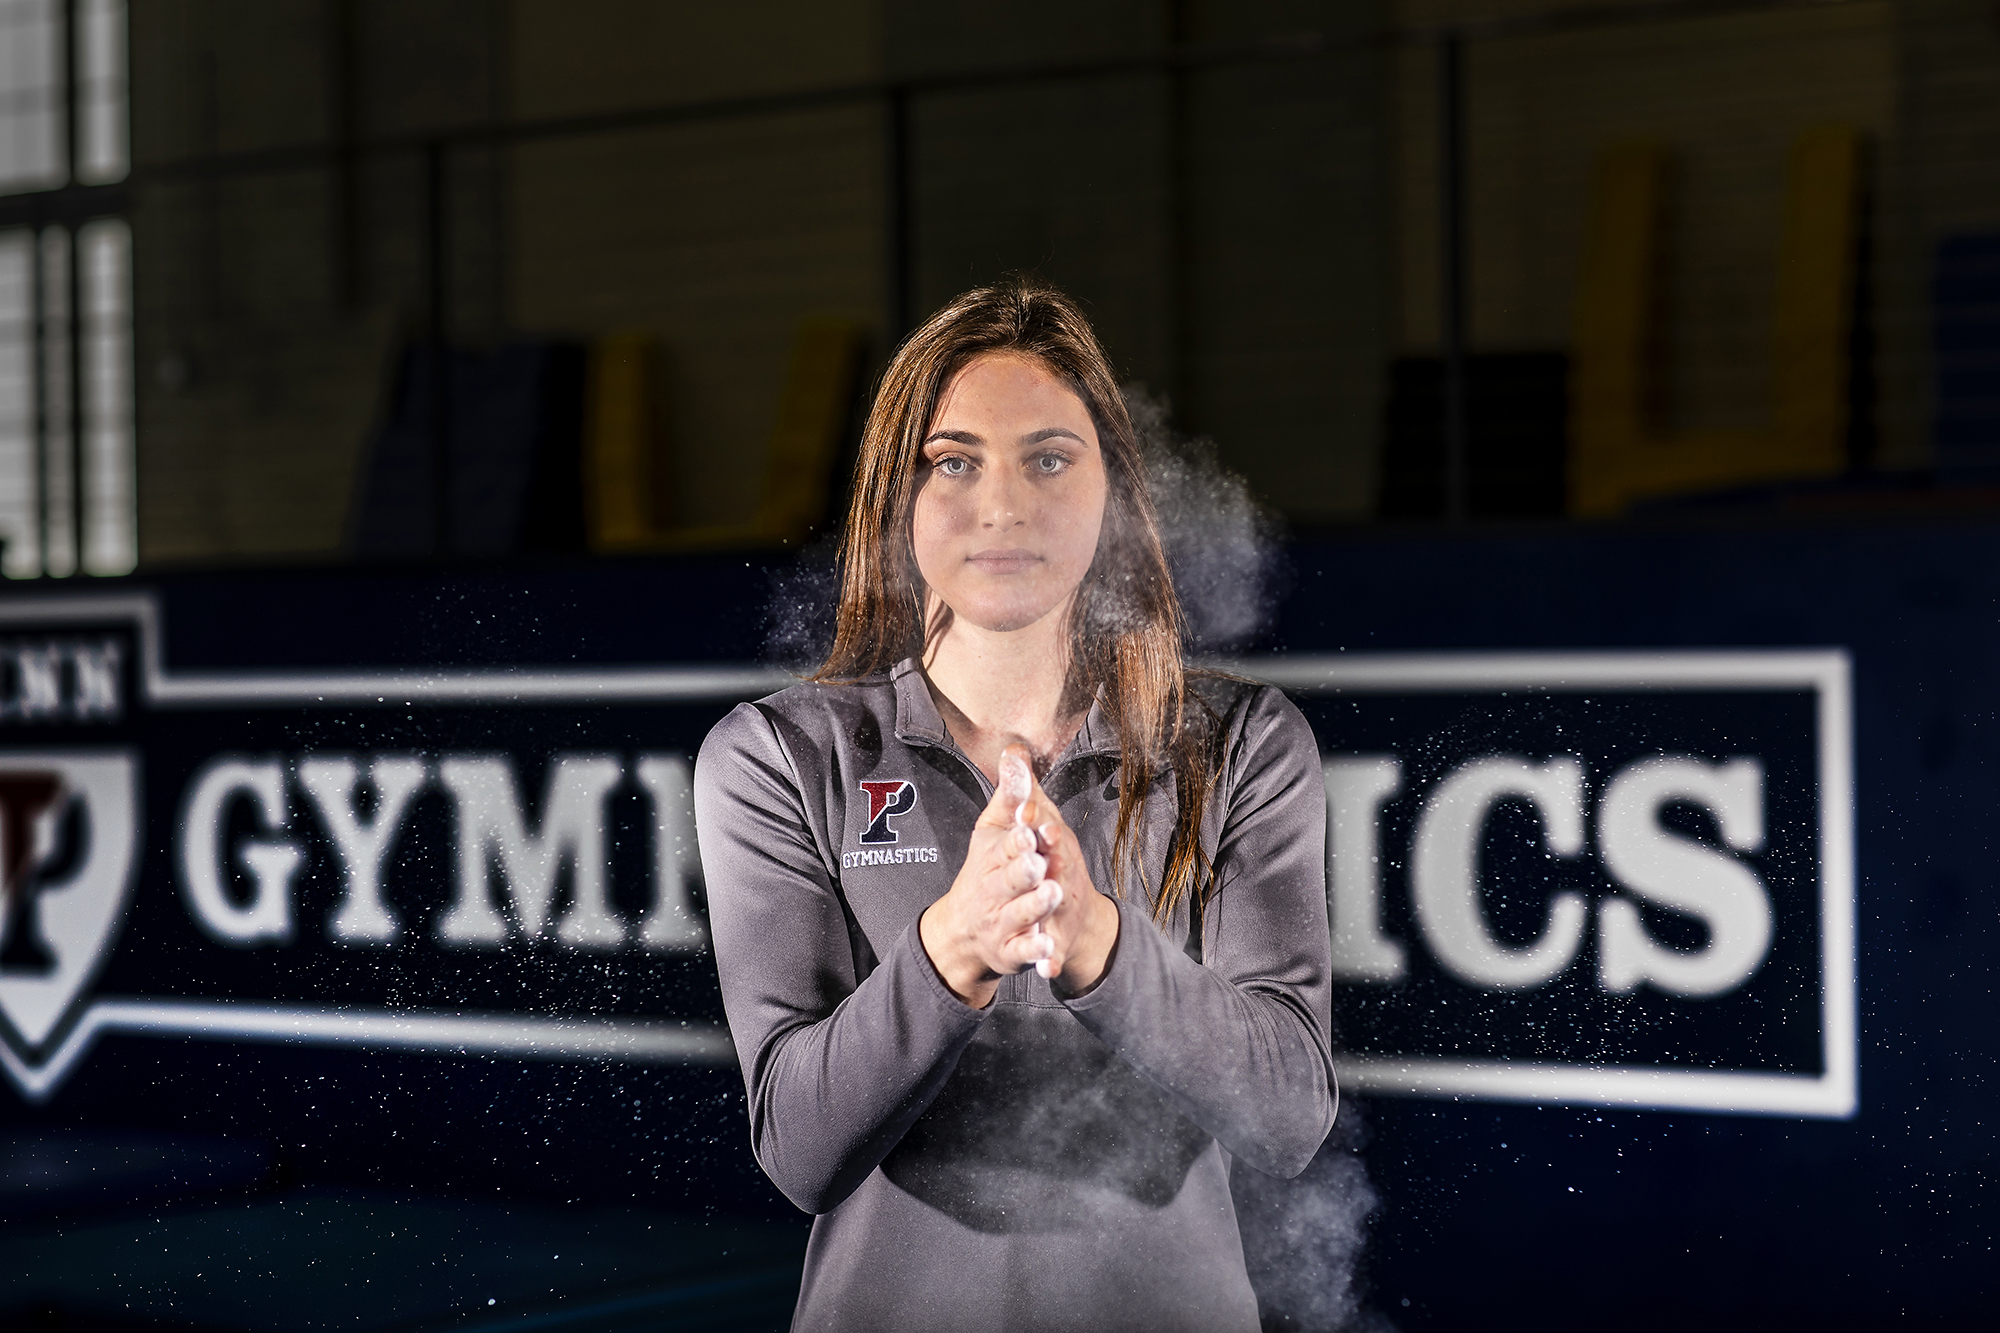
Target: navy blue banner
{"points": [[1617, 878], [1660, 976]]}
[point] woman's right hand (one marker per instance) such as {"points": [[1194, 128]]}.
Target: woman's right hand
{"points": [[984, 926]]}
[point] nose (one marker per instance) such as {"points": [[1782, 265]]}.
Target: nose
{"points": [[1003, 500]]}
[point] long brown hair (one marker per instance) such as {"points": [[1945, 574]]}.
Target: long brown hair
{"points": [[1125, 627]]}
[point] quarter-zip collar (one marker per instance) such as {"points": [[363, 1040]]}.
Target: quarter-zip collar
{"points": [[918, 722]]}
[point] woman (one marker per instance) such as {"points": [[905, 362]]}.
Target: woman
{"points": [[1006, 1035]]}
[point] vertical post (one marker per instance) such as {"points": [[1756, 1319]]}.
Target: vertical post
{"points": [[1180, 332], [437, 315], [39, 300], [1451, 233], [896, 210], [79, 436], [345, 220], [72, 68]]}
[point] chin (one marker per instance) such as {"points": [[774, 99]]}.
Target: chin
{"points": [[1004, 618]]}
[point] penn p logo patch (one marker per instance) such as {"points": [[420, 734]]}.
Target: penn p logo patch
{"points": [[886, 800]]}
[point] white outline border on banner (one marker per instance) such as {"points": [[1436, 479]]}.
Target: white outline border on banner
{"points": [[505, 1036], [1827, 673], [510, 1036]]}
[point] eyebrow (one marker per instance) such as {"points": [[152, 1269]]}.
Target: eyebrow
{"points": [[1033, 437]]}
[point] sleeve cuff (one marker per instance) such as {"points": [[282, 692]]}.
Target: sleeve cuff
{"points": [[911, 946], [1137, 937]]}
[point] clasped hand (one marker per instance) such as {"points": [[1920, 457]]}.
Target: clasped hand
{"points": [[1022, 897]]}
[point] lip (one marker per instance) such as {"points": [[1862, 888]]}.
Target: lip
{"points": [[1011, 561]]}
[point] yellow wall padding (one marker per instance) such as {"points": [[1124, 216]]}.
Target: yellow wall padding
{"points": [[624, 454], [812, 418], [1617, 455], [625, 458]]}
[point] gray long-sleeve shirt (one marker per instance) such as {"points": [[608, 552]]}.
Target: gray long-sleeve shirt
{"points": [[1039, 1163]]}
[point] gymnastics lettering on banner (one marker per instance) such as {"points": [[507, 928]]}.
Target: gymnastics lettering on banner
{"points": [[1620, 879], [1608, 878], [490, 862]]}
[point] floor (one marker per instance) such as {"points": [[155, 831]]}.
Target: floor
{"points": [[325, 1258]]}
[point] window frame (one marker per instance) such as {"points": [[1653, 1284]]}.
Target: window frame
{"points": [[69, 207]]}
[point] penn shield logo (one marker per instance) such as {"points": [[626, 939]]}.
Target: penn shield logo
{"points": [[69, 836], [886, 800]]}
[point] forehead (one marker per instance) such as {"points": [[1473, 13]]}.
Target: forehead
{"points": [[1011, 389]]}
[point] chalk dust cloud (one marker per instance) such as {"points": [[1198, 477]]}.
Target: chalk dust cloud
{"points": [[1303, 1239], [1221, 543]]}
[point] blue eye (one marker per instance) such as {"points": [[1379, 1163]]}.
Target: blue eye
{"points": [[952, 465], [1050, 464]]}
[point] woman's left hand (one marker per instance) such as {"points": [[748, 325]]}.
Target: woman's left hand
{"points": [[1085, 923]]}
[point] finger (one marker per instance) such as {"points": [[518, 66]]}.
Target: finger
{"points": [[996, 844], [1051, 963], [1024, 872], [1017, 778], [1028, 909], [1059, 844], [1031, 949], [1055, 841], [1016, 785], [1037, 807]]}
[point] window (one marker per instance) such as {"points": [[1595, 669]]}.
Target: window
{"points": [[67, 501]]}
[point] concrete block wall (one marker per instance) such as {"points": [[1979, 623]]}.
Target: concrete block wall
{"points": [[1255, 240], [1289, 249], [718, 235], [1726, 95], [1225, 227], [1225, 224], [1943, 181], [264, 322]]}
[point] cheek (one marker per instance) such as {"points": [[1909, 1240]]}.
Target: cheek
{"points": [[1082, 520], [932, 522]]}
